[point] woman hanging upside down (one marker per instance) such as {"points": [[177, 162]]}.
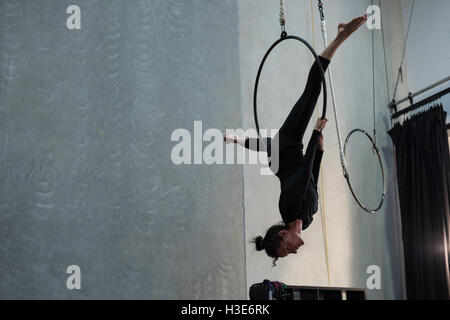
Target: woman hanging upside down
{"points": [[298, 173]]}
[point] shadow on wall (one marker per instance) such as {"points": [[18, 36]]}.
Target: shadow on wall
{"points": [[393, 222]]}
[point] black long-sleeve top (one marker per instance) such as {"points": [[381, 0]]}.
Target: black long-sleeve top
{"points": [[299, 196], [295, 159]]}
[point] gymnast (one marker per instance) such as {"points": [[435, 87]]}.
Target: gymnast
{"points": [[298, 173]]}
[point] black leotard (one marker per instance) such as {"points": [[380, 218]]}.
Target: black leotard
{"points": [[298, 173]]}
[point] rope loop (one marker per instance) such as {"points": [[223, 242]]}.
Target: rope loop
{"points": [[282, 15]]}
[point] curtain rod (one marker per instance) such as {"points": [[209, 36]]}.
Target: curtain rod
{"points": [[394, 104], [422, 103]]}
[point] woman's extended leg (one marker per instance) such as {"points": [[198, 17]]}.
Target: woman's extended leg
{"points": [[344, 31], [297, 121]]}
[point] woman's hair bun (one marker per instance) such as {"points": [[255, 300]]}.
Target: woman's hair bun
{"points": [[259, 241]]}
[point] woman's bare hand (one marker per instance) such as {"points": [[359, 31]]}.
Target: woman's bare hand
{"points": [[321, 123], [229, 139]]}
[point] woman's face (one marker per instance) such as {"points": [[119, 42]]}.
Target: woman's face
{"points": [[290, 244]]}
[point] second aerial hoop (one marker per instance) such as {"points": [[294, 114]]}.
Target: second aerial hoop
{"points": [[383, 195]]}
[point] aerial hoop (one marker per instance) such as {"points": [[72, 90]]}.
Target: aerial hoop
{"points": [[347, 177], [284, 37], [342, 150]]}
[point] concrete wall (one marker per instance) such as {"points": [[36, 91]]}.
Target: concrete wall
{"points": [[427, 57], [355, 239], [86, 118]]}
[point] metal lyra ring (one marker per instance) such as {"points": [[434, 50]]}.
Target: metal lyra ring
{"points": [[383, 195], [285, 37]]}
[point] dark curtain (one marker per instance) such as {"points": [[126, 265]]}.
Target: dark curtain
{"points": [[423, 163]]}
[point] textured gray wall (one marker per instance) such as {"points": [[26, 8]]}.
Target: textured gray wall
{"points": [[85, 172]]}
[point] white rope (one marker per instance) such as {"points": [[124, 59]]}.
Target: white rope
{"points": [[323, 26], [322, 197]]}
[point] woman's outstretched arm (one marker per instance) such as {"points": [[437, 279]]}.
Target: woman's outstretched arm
{"points": [[234, 139], [255, 144]]}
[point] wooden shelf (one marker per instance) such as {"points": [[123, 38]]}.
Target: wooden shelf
{"points": [[309, 293], [326, 293]]}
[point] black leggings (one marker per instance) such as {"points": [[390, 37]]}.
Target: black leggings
{"points": [[298, 119], [299, 174]]}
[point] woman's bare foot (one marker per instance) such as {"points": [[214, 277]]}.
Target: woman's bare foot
{"points": [[346, 29]]}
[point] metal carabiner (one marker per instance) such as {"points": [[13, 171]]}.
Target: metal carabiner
{"points": [[322, 16]]}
